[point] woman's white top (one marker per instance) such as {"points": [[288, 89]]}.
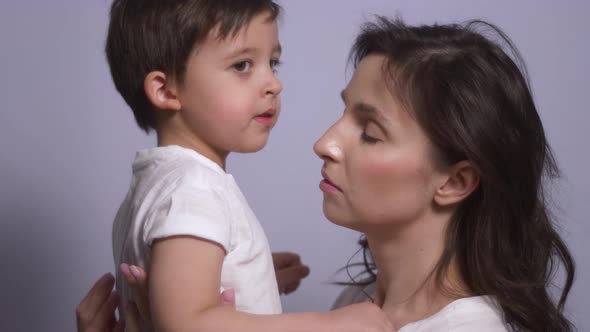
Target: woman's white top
{"points": [[477, 313]]}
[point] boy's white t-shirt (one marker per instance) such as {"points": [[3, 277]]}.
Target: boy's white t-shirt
{"points": [[176, 191], [477, 313]]}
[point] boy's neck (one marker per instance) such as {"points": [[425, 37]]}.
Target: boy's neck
{"points": [[187, 140]]}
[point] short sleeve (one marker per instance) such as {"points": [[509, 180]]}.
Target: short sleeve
{"points": [[199, 212]]}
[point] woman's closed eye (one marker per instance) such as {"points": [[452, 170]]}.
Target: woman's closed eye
{"points": [[371, 134], [365, 138]]}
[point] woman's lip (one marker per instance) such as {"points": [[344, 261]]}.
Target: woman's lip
{"points": [[327, 186], [327, 183]]}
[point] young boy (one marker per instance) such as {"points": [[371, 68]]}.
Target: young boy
{"points": [[201, 73]]}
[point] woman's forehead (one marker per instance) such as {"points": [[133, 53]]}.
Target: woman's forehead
{"points": [[369, 86], [370, 70]]}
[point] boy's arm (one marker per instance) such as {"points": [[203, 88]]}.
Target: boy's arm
{"points": [[184, 281]]}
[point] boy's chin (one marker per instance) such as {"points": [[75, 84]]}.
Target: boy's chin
{"points": [[251, 147]]}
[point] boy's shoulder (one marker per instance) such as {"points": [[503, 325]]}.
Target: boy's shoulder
{"points": [[179, 167]]}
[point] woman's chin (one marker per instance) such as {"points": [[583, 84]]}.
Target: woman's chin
{"points": [[337, 220]]}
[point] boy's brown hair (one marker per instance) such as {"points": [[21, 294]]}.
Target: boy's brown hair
{"points": [[150, 35]]}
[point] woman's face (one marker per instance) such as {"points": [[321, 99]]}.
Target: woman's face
{"points": [[378, 169]]}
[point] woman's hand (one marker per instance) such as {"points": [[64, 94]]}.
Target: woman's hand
{"points": [[96, 311], [136, 279], [289, 271]]}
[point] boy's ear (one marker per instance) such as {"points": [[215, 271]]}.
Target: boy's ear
{"points": [[462, 179], [161, 91]]}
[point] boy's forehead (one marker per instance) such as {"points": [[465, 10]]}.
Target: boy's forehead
{"points": [[259, 33], [244, 30]]}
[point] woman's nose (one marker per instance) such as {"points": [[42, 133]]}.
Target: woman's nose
{"points": [[328, 146]]}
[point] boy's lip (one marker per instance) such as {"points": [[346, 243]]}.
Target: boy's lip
{"points": [[267, 118], [269, 113]]}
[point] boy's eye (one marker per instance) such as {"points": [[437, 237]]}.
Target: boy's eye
{"points": [[274, 63], [242, 66]]}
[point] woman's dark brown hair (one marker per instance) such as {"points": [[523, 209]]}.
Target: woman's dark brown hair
{"points": [[474, 103]]}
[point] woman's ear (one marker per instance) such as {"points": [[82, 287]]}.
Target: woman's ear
{"points": [[161, 91], [462, 180]]}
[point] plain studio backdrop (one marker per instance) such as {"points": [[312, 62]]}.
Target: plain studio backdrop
{"points": [[67, 141]]}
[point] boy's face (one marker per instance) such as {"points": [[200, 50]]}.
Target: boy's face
{"points": [[230, 93]]}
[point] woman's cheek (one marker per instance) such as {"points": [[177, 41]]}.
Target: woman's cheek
{"points": [[380, 173]]}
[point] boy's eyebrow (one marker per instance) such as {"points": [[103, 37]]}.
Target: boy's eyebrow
{"points": [[246, 50]]}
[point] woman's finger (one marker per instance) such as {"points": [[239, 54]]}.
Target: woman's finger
{"points": [[137, 281], [132, 318], [107, 311], [91, 304]]}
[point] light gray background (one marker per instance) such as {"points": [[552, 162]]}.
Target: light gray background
{"points": [[67, 141]]}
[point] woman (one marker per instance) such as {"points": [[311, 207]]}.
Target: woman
{"points": [[445, 180], [439, 160]]}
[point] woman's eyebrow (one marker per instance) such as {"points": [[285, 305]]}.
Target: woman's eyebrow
{"points": [[364, 109]]}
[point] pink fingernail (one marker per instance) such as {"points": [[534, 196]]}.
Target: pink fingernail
{"points": [[229, 296], [134, 271], [306, 271], [106, 277]]}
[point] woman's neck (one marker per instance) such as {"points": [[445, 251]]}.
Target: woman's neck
{"points": [[407, 288]]}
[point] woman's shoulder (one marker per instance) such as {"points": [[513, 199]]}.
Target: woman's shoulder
{"points": [[355, 294], [478, 313]]}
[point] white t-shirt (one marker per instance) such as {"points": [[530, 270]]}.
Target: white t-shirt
{"points": [[477, 313], [176, 191]]}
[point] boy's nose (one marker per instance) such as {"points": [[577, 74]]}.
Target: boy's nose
{"points": [[274, 86]]}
